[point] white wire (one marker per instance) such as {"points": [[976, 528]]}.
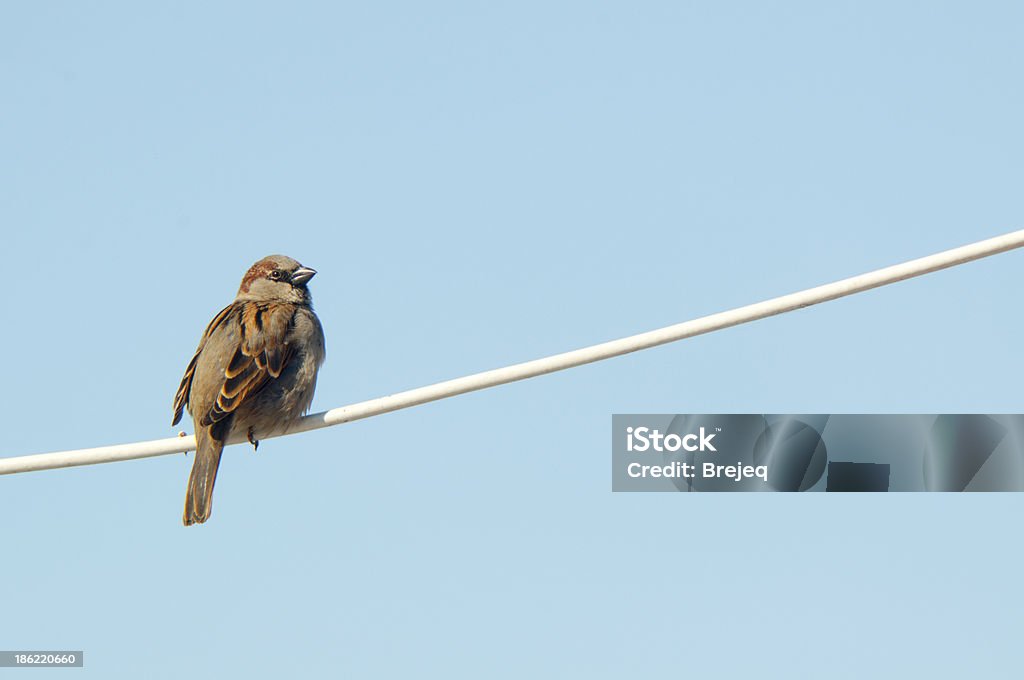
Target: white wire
{"points": [[558, 362]]}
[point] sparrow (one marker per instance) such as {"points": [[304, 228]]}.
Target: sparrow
{"points": [[254, 372]]}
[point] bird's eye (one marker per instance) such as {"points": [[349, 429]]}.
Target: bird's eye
{"points": [[275, 275]]}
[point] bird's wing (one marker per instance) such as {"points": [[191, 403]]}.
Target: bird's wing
{"points": [[261, 354], [181, 398]]}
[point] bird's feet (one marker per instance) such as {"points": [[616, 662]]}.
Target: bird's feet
{"points": [[252, 440]]}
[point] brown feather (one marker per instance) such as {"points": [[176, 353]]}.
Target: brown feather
{"points": [[185, 388], [262, 354]]}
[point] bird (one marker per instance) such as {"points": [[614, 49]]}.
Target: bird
{"points": [[254, 372]]}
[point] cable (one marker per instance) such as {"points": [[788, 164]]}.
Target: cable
{"points": [[558, 362]]}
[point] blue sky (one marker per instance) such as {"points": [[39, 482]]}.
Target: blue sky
{"points": [[480, 184]]}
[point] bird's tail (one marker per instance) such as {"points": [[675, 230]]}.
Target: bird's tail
{"points": [[199, 498]]}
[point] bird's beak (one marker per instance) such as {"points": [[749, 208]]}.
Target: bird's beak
{"points": [[301, 275]]}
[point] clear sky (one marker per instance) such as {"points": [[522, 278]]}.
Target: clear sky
{"points": [[480, 184]]}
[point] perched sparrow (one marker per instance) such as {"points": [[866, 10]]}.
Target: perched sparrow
{"points": [[254, 371]]}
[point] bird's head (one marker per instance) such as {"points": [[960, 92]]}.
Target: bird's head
{"points": [[277, 278]]}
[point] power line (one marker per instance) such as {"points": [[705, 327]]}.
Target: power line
{"points": [[558, 362]]}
